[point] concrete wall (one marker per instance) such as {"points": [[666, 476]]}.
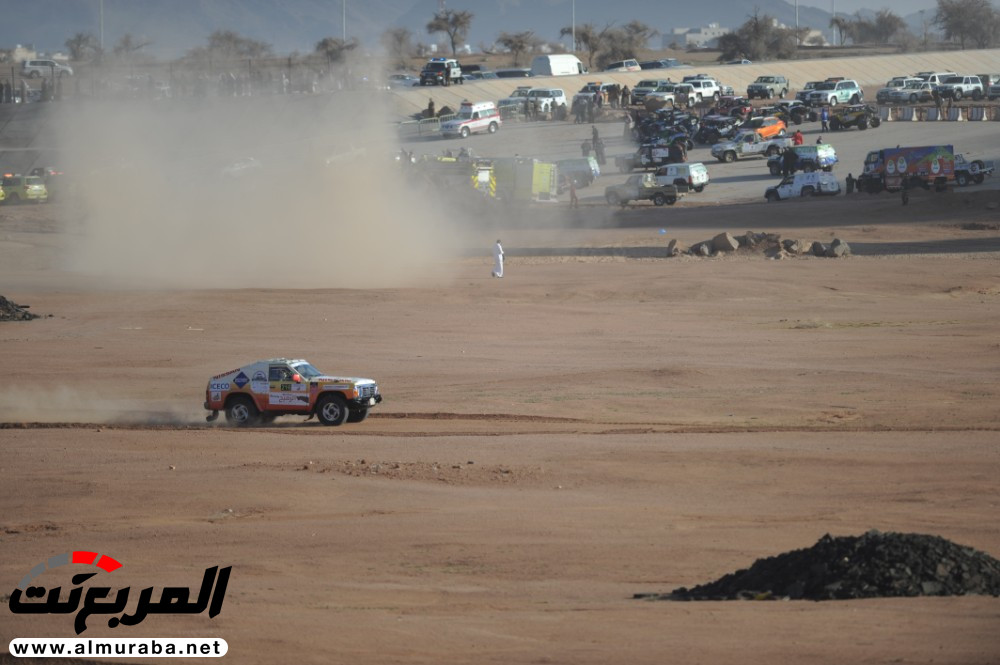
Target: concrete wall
{"points": [[870, 71]]}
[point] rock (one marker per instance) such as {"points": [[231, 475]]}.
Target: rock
{"points": [[838, 248], [776, 253], [672, 247], [818, 249], [702, 249], [792, 246], [724, 242]]}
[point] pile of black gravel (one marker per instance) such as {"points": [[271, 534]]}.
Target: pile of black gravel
{"points": [[874, 565], [13, 312]]}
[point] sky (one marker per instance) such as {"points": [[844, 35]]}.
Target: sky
{"points": [[899, 7]]}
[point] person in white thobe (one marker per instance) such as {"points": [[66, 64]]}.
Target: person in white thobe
{"points": [[498, 259]]}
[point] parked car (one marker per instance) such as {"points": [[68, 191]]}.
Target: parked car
{"points": [[766, 127], [514, 73], [480, 76], [957, 87], [549, 99], [836, 92], [644, 87], [662, 63], [814, 183], [402, 81], [803, 94], [912, 92], [17, 188], [441, 71], [767, 87], [893, 84], [581, 170], [692, 174], [37, 68], [629, 65]]}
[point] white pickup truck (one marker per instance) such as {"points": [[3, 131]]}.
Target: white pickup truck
{"points": [[749, 144]]}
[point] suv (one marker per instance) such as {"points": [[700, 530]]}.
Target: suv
{"points": [[895, 83], [35, 68], [704, 87], [262, 391], [957, 87], [473, 117], [644, 87], [804, 184], [549, 99], [630, 65], [836, 92], [441, 71], [17, 188], [766, 87], [912, 92]]}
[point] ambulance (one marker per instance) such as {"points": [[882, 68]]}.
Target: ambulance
{"points": [[473, 117]]}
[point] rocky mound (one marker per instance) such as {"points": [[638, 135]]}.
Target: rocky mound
{"points": [[874, 565], [12, 312]]}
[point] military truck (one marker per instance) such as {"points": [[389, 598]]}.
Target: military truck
{"points": [[893, 169]]}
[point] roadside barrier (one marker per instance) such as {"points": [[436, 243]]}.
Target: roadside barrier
{"points": [[933, 114], [955, 114], [907, 113], [885, 113], [977, 113]]}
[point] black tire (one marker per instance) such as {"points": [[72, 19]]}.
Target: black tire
{"points": [[835, 124], [772, 197], [784, 92], [813, 117], [33, 75], [493, 128], [613, 199], [958, 95], [241, 411], [701, 188], [680, 182], [876, 121], [769, 94], [913, 98], [774, 169], [771, 151], [729, 156], [357, 415], [977, 95], [978, 178], [855, 99], [464, 132], [797, 118], [331, 409], [833, 101], [807, 191], [962, 179], [659, 199], [671, 200], [862, 123], [808, 167]]}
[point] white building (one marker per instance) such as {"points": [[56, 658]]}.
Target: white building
{"points": [[705, 36]]}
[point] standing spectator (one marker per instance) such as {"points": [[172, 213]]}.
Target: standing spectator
{"points": [[585, 148], [850, 183], [788, 159], [574, 202], [594, 136], [797, 137], [591, 110], [936, 96], [627, 131], [626, 96], [498, 259], [819, 141], [430, 108], [599, 150], [824, 116]]}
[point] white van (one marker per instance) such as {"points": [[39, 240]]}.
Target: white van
{"points": [[934, 78], [560, 64], [473, 117], [549, 99], [804, 184], [694, 175]]}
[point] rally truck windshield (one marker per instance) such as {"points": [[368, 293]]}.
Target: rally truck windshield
{"points": [[307, 371]]}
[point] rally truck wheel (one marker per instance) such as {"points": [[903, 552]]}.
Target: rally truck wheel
{"points": [[332, 409], [729, 156], [835, 124], [876, 121], [659, 199], [862, 123], [962, 179], [357, 415], [465, 132], [808, 191], [774, 169], [772, 151], [493, 128], [671, 200], [772, 197], [978, 178], [241, 411], [958, 95]]}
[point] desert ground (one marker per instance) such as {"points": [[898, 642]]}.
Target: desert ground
{"points": [[601, 422]]}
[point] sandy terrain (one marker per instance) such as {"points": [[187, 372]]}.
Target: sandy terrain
{"points": [[601, 422], [587, 428]]}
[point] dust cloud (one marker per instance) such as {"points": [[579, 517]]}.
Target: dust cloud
{"points": [[64, 404], [286, 191]]}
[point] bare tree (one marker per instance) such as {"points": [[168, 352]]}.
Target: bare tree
{"points": [[128, 45], [973, 21], [453, 23], [589, 38], [760, 38], [334, 49], [399, 45], [518, 43], [844, 26], [83, 46]]}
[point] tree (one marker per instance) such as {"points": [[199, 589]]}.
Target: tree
{"points": [[588, 37], [453, 23], [760, 38], [128, 45], [518, 43], [334, 48], [83, 46], [969, 20], [886, 26], [232, 44], [398, 44], [844, 26]]}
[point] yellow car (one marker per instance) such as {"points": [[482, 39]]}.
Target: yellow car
{"points": [[17, 188]]}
